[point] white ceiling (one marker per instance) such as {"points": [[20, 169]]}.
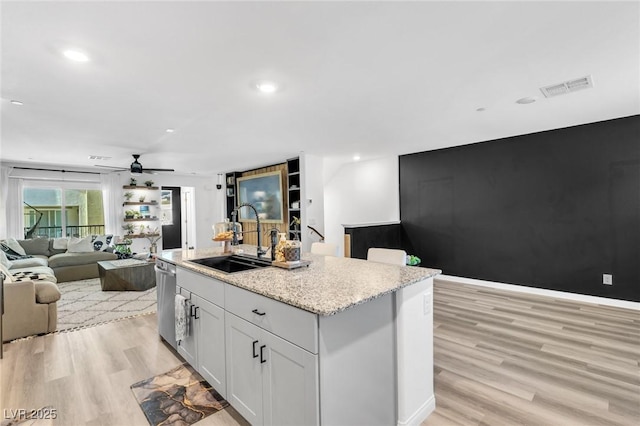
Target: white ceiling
{"points": [[373, 78]]}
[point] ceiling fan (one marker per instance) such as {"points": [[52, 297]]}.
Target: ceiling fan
{"points": [[136, 167]]}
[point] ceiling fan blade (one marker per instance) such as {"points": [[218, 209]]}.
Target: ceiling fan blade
{"points": [[157, 170], [111, 167]]}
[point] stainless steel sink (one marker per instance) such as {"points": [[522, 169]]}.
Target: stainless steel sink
{"points": [[231, 264]]}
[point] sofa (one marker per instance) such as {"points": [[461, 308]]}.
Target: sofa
{"points": [[30, 271], [68, 264], [30, 298]]}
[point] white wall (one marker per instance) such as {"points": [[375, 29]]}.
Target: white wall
{"points": [[313, 193], [359, 192]]}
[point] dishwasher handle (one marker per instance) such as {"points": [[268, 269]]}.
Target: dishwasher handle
{"points": [[164, 272]]}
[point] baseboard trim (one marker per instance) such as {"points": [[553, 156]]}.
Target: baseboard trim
{"points": [[544, 292], [421, 414]]}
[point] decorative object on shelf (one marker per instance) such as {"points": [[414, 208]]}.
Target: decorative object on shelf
{"points": [[148, 183], [130, 214], [142, 198], [295, 222], [413, 260], [128, 195], [144, 212], [133, 182], [128, 228]]}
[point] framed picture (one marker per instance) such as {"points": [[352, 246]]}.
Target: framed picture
{"points": [[264, 192]]}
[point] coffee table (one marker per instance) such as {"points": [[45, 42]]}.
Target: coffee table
{"points": [[126, 275]]}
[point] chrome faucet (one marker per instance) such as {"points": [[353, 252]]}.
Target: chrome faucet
{"points": [[261, 252]]}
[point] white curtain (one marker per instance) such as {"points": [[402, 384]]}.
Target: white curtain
{"points": [[112, 198], [14, 210], [5, 172]]}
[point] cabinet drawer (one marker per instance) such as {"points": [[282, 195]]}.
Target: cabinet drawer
{"points": [[206, 287], [295, 325]]}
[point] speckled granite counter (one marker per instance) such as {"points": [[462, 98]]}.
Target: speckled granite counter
{"points": [[327, 286]]}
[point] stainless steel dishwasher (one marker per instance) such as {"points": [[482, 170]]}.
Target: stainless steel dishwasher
{"points": [[166, 291]]}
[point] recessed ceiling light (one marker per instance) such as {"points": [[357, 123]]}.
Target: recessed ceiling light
{"points": [[16, 102], [267, 86], [356, 157], [76, 55], [527, 100], [170, 130]]}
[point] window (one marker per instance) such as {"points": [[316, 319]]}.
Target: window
{"points": [[56, 211]]}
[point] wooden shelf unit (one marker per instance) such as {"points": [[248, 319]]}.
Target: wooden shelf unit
{"points": [[152, 202], [294, 197]]}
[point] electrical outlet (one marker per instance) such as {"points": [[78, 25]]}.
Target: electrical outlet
{"points": [[607, 279], [426, 301]]}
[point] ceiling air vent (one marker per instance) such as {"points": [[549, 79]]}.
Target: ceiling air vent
{"points": [[567, 87], [98, 157]]}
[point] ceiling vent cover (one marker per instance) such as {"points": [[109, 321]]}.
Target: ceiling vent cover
{"points": [[567, 86], [99, 157]]}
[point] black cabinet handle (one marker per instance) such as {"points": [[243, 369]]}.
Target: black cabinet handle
{"points": [[255, 311], [255, 355], [191, 309], [197, 316], [262, 360]]}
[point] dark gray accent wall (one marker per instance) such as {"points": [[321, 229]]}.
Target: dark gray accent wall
{"points": [[381, 236], [553, 210]]}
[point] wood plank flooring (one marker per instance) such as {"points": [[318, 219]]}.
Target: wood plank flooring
{"points": [[505, 358], [501, 358]]}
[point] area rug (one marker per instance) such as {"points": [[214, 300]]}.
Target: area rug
{"points": [[84, 304], [178, 397]]}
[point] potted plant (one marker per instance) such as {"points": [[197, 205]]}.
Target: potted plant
{"points": [[128, 195], [133, 182], [130, 214], [142, 197], [128, 228], [149, 183]]}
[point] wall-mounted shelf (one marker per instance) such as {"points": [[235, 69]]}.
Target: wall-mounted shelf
{"points": [[151, 188], [143, 219], [141, 235], [138, 203]]}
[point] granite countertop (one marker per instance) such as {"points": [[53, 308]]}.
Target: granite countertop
{"points": [[325, 287]]}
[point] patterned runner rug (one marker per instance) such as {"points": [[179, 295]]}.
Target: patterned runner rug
{"points": [[83, 303], [178, 397]]}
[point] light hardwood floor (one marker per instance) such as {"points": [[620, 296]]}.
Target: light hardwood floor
{"points": [[501, 358]]}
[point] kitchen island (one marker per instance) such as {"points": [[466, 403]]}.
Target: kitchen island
{"points": [[340, 342]]}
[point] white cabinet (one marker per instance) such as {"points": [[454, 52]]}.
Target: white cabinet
{"points": [[209, 331], [269, 380], [204, 349]]}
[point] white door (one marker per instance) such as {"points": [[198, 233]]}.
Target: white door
{"points": [[244, 375], [289, 383], [209, 320], [188, 346]]}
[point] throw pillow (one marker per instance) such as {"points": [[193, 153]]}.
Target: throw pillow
{"points": [[36, 246], [101, 242], [4, 260], [60, 243], [80, 245], [14, 245], [11, 254]]}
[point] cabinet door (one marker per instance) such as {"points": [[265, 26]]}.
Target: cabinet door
{"points": [[209, 323], [188, 347], [289, 383], [244, 371]]}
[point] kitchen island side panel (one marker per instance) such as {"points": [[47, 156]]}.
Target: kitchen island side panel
{"points": [[358, 365]]}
